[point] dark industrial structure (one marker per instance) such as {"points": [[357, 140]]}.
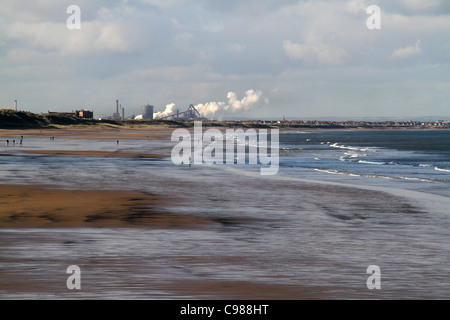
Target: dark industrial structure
{"points": [[190, 114]]}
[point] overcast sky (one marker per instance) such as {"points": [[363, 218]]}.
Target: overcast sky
{"points": [[301, 59]]}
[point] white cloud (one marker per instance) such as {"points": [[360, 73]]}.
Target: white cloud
{"points": [[421, 5], [323, 28], [236, 47], [407, 51], [315, 52], [356, 6], [163, 3], [94, 37]]}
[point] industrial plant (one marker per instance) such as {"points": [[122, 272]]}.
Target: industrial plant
{"points": [[147, 112], [119, 113], [190, 114], [83, 114]]}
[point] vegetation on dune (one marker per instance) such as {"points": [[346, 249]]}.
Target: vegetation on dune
{"points": [[10, 119]]}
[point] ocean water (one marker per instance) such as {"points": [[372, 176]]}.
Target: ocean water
{"points": [[341, 202]]}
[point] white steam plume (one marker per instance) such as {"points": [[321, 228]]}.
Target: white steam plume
{"points": [[170, 109], [210, 109], [233, 105]]}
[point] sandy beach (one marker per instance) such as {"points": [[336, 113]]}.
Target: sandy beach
{"points": [[35, 207], [138, 226]]}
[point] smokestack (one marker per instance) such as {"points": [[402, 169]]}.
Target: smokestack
{"points": [[123, 113], [117, 106], [15, 105]]}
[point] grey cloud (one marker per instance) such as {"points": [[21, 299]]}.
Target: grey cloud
{"points": [[317, 55]]}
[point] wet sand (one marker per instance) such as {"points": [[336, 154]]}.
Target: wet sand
{"points": [[41, 207], [44, 207], [94, 153], [95, 133]]}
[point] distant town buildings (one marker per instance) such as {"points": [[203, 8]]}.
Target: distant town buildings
{"points": [[353, 124], [84, 114]]}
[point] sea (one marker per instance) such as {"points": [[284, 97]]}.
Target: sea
{"points": [[341, 202]]}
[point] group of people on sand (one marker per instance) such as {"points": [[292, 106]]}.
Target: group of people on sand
{"points": [[13, 142], [20, 141]]}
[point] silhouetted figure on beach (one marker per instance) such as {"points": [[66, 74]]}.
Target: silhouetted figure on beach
{"points": [[7, 142]]}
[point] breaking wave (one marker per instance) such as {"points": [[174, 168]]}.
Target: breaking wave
{"points": [[442, 170]]}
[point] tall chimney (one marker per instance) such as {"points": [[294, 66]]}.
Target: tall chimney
{"points": [[123, 113], [15, 105], [117, 106]]}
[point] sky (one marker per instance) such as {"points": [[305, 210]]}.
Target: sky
{"points": [[252, 59]]}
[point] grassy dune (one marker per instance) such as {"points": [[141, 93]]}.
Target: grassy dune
{"points": [[10, 119]]}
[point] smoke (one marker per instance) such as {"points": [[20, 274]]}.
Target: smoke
{"points": [[170, 109], [211, 109], [220, 109]]}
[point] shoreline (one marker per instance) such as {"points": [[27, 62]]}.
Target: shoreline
{"points": [[208, 125], [94, 154], [161, 133], [205, 125]]}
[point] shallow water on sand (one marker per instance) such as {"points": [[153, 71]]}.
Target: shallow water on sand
{"points": [[275, 237]]}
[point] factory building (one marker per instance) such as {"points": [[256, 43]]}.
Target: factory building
{"points": [[85, 114], [147, 112], [116, 115]]}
